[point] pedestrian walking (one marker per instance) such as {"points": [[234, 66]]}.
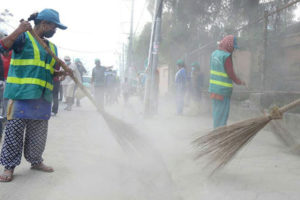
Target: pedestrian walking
{"points": [[81, 70], [221, 81], [181, 80], [29, 87], [126, 90], [69, 84], [56, 88], [2, 83], [98, 81]]}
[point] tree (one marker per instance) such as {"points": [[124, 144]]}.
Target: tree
{"points": [[188, 24]]}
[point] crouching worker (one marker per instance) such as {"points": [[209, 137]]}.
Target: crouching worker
{"points": [[29, 88]]}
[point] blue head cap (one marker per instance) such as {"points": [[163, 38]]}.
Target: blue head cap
{"points": [[51, 15]]}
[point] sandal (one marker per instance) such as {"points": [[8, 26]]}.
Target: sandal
{"points": [[7, 175], [42, 167]]}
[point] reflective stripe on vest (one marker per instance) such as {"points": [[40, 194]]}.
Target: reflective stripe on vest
{"points": [[34, 81], [37, 60], [51, 65], [220, 83], [218, 73]]}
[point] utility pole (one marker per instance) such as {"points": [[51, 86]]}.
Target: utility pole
{"points": [[129, 50], [265, 51], [151, 90], [123, 61]]}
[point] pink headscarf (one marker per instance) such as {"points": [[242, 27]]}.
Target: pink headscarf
{"points": [[227, 43]]}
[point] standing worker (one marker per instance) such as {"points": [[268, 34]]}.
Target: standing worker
{"points": [[221, 77], [55, 92], [29, 87], [66, 80], [98, 80], [80, 70], [181, 85], [69, 84]]}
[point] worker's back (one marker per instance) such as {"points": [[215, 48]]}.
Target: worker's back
{"points": [[98, 75]]}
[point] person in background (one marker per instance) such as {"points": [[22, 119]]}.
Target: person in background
{"points": [[181, 85], [6, 57], [56, 87], [70, 84], [221, 78], [110, 85], [81, 69], [5, 60], [61, 92], [66, 82], [1, 96], [98, 81], [29, 87], [196, 81], [126, 90]]}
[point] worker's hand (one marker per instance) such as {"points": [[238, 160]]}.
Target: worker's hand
{"points": [[24, 26], [61, 78], [60, 73], [69, 72], [243, 83]]}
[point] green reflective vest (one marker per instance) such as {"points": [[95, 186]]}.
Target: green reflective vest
{"points": [[219, 82], [31, 71]]}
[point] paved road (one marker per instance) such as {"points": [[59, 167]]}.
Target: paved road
{"points": [[90, 164]]}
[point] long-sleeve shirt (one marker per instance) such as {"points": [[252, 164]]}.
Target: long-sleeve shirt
{"points": [[229, 70], [181, 79]]}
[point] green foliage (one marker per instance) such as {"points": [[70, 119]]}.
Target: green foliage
{"points": [[189, 24], [141, 47]]}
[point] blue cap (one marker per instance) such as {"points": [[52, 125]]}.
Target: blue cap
{"points": [[51, 15], [77, 60]]}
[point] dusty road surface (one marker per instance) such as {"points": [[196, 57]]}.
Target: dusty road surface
{"points": [[91, 165]]}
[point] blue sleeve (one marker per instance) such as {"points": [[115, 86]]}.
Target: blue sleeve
{"points": [[184, 76], [17, 46], [19, 43]]}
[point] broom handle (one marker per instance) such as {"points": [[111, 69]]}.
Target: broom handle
{"points": [[66, 68], [285, 108]]}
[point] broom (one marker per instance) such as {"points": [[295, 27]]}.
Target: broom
{"points": [[124, 133], [223, 143]]}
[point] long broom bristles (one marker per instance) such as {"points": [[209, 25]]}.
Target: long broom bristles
{"points": [[125, 134], [222, 144]]}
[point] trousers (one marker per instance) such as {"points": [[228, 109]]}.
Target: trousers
{"points": [[220, 111], [34, 142]]}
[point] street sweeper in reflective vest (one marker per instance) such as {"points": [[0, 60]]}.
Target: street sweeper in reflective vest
{"points": [[221, 80]]}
